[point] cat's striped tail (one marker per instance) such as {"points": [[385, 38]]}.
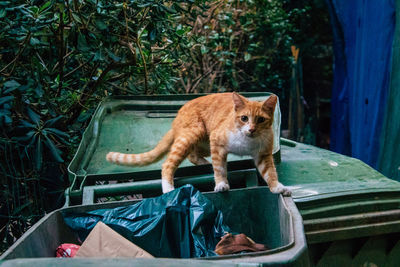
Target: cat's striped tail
{"points": [[146, 158]]}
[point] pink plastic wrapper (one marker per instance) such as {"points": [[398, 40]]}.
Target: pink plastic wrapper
{"points": [[67, 250]]}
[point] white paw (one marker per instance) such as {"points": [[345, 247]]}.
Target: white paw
{"points": [[166, 187], [281, 189], [221, 187]]}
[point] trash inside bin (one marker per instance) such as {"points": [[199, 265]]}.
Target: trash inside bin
{"points": [[104, 242], [233, 244], [266, 218], [180, 224]]}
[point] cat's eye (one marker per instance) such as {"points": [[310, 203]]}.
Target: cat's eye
{"points": [[260, 119], [244, 118]]}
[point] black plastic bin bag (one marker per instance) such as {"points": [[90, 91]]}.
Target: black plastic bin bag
{"points": [[180, 224]]}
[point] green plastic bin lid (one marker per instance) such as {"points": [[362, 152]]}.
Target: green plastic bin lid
{"points": [[315, 173], [135, 125]]}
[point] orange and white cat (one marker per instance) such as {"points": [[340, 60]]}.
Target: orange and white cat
{"points": [[215, 125]]}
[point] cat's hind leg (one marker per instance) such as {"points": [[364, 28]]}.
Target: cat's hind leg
{"points": [[199, 152], [196, 159], [179, 150]]}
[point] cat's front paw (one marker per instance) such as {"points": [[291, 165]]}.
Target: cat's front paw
{"points": [[281, 189], [221, 187]]}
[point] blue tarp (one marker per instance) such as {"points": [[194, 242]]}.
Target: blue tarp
{"points": [[363, 37]]}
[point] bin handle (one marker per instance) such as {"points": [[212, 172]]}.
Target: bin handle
{"points": [[155, 114]]}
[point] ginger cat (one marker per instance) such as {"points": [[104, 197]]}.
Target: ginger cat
{"points": [[215, 124]]}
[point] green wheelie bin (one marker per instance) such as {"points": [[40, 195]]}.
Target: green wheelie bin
{"points": [[135, 124], [350, 211]]}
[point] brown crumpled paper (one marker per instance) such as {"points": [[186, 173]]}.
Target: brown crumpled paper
{"points": [[231, 244], [104, 242]]}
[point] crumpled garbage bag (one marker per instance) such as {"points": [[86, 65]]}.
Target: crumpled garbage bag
{"points": [[180, 224]]}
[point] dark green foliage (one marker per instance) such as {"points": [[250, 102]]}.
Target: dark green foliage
{"points": [[242, 46], [38, 134], [58, 59]]}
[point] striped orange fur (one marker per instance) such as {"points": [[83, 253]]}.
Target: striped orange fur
{"points": [[144, 158], [215, 125]]}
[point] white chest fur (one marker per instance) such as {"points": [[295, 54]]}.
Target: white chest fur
{"points": [[240, 144]]}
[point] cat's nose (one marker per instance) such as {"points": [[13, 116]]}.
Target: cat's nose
{"points": [[252, 130]]}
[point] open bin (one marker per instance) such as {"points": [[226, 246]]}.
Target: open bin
{"points": [[265, 217], [134, 125]]}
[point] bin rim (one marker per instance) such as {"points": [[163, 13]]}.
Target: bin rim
{"points": [[296, 246]]}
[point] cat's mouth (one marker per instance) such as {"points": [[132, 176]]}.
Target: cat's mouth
{"points": [[251, 135]]}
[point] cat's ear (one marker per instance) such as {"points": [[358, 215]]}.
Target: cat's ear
{"points": [[269, 104], [239, 101]]}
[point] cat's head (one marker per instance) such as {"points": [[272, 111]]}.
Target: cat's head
{"points": [[253, 118]]}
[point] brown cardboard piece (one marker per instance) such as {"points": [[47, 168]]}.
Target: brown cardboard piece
{"points": [[104, 242]]}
